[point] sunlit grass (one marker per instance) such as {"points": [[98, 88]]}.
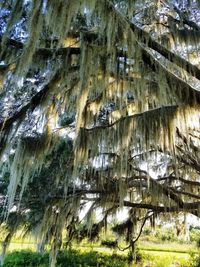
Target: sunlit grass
{"points": [[154, 255], [22, 246], [169, 246]]}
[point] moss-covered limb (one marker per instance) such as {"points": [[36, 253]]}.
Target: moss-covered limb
{"points": [[169, 191], [152, 126], [133, 79], [182, 89], [185, 193], [171, 56], [188, 206], [33, 103], [186, 92], [188, 159], [153, 111], [42, 51], [156, 46], [37, 99], [151, 184], [191, 207], [163, 190], [145, 38], [188, 152], [180, 179], [185, 88], [46, 53], [174, 58]]}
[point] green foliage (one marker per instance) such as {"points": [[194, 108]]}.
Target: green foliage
{"points": [[147, 231], [164, 261], [195, 260], [195, 235], [70, 258], [136, 257]]}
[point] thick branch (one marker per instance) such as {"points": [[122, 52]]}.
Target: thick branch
{"points": [[171, 178], [146, 39], [188, 159], [170, 107], [185, 193], [189, 207], [181, 88], [34, 101]]}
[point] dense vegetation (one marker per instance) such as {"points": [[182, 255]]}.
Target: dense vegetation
{"points": [[74, 258], [99, 110]]}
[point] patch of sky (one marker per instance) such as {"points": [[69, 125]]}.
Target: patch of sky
{"points": [[3, 15], [101, 162], [44, 6], [19, 31]]}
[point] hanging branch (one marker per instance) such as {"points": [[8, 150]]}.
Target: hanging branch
{"points": [[132, 242]]}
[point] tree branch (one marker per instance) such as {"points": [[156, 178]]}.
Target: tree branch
{"points": [[146, 39], [189, 207], [169, 107], [189, 182], [139, 234]]}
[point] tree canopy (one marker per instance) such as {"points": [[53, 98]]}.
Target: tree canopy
{"points": [[99, 104]]}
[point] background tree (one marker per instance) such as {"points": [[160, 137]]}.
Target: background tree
{"points": [[117, 84]]}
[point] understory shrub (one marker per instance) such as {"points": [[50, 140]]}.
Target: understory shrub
{"points": [[25, 258], [196, 260]]}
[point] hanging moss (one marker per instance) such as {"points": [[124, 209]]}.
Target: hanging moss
{"points": [[125, 96]]}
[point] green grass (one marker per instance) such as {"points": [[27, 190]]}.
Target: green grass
{"points": [[22, 246], [168, 246], [165, 256], [165, 261], [75, 258], [72, 258]]}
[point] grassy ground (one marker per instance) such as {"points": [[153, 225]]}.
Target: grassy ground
{"points": [[151, 257], [154, 255]]}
